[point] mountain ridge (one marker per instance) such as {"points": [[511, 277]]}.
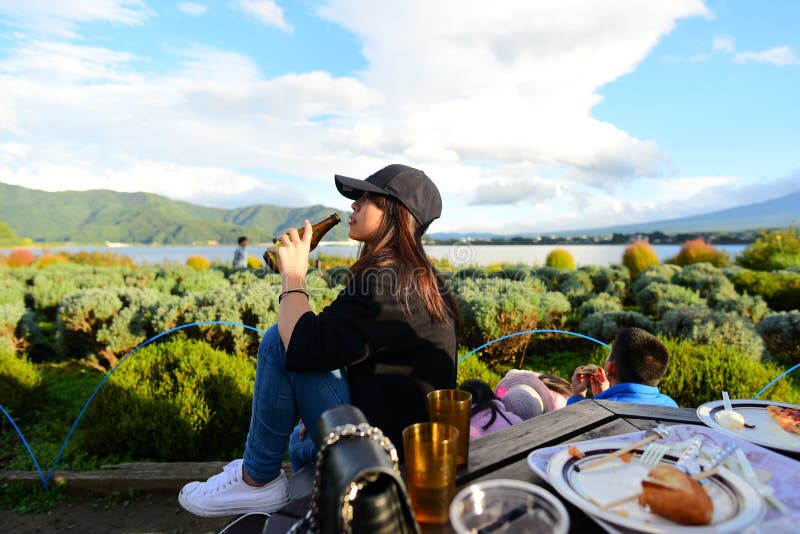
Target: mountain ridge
{"points": [[101, 215], [779, 212]]}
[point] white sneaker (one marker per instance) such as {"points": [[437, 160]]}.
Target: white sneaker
{"points": [[228, 494]]}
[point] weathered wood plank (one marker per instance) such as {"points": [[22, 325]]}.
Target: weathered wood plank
{"points": [[122, 477], [490, 453], [630, 410]]}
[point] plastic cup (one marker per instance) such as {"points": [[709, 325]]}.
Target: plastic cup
{"points": [[430, 450], [453, 406], [507, 506]]}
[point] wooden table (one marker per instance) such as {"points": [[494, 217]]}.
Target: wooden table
{"points": [[504, 454]]}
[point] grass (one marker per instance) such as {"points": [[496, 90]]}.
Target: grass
{"points": [[25, 498], [64, 390]]}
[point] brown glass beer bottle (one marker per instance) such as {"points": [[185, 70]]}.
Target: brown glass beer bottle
{"points": [[318, 230]]}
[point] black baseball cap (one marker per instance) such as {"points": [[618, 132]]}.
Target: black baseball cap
{"points": [[410, 186]]}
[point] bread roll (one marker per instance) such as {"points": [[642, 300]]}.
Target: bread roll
{"points": [[590, 369], [671, 493]]}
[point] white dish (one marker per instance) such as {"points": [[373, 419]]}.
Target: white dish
{"points": [[736, 504], [766, 433]]}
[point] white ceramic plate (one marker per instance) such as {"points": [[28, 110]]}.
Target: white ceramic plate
{"points": [[736, 504], [766, 433]]}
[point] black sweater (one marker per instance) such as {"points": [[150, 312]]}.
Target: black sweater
{"points": [[393, 360]]}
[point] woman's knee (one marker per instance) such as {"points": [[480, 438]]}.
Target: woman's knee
{"points": [[271, 344]]}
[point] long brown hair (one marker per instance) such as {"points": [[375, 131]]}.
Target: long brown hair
{"points": [[399, 252]]}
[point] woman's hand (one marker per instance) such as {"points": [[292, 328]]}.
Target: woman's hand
{"points": [[293, 257], [293, 262]]}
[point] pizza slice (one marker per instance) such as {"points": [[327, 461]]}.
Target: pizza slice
{"points": [[787, 418]]}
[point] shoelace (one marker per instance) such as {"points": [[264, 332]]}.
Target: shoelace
{"points": [[229, 475]]}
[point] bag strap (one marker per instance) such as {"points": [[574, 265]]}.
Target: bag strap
{"points": [[361, 431]]}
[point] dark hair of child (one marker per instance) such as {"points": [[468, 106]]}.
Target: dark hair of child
{"points": [[482, 397]]}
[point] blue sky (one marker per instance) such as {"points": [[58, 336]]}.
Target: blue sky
{"points": [[531, 116]]}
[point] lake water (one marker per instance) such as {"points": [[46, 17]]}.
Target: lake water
{"points": [[459, 254]]}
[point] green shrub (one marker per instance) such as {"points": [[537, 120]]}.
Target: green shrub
{"points": [[19, 379], [657, 298], [517, 272], [10, 315], [781, 334], [560, 258], [614, 280], [576, 286], [605, 326], [243, 278], [781, 289], [699, 372], [494, 307], [11, 291], [191, 281], [705, 279], [753, 308], [177, 400], [709, 327], [337, 276], [51, 285], [547, 275], [700, 251], [221, 304], [79, 318], [99, 259], [472, 273], [638, 256], [772, 251], [474, 368], [600, 304], [657, 273]]}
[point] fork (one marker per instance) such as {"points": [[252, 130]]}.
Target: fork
{"points": [[653, 454]]}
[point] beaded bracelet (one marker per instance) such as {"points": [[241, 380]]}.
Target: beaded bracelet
{"points": [[296, 290]]}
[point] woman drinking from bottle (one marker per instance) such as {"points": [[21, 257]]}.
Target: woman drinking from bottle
{"points": [[383, 344]]}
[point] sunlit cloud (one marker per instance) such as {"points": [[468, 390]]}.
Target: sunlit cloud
{"points": [[62, 18], [267, 12], [780, 56], [192, 8], [723, 43]]}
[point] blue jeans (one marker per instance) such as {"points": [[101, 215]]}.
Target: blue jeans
{"points": [[280, 398]]}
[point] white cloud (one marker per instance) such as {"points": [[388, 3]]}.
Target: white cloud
{"points": [[780, 56], [202, 65], [512, 191], [266, 11], [508, 85], [723, 43], [192, 8], [486, 101], [49, 61], [198, 184], [61, 17]]}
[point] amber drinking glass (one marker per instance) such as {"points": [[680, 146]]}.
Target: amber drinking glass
{"points": [[453, 406], [430, 450]]}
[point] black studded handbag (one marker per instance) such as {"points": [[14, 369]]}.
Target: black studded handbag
{"points": [[357, 483]]}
